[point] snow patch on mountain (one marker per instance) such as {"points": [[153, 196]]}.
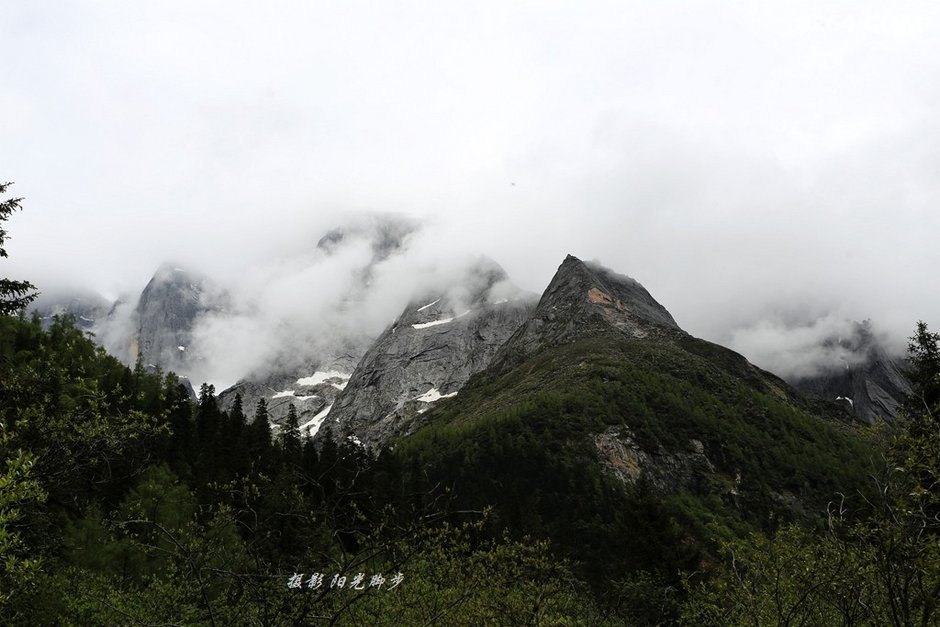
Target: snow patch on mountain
{"points": [[425, 325], [429, 305], [324, 377], [311, 427], [434, 395]]}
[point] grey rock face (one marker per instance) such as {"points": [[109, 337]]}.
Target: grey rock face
{"points": [[166, 313], [870, 384], [428, 354], [583, 299], [311, 389], [279, 393]]}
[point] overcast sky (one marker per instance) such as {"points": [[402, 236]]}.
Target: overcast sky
{"points": [[756, 165]]}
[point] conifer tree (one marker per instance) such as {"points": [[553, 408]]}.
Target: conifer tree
{"points": [[14, 295], [924, 371], [208, 417], [237, 438], [207, 414], [310, 464], [180, 419], [237, 413], [259, 444], [261, 415], [290, 438]]}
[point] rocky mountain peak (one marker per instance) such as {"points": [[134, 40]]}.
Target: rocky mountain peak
{"points": [[590, 287], [166, 312], [583, 299], [429, 352]]}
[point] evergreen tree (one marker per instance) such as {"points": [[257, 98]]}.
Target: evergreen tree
{"points": [[235, 440], [259, 440], [918, 446], [208, 418], [327, 467], [310, 464], [290, 438], [180, 418], [924, 370], [237, 413], [261, 416], [14, 295], [207, 414]]}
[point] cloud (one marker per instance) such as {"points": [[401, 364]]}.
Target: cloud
{"points": [[795, 350], [281, 314], [734, 158], [314, 309], [116, 332]]}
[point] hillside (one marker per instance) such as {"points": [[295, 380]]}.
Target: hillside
{"points": [[601, 420]]}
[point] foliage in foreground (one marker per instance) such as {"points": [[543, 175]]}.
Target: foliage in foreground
{"points": [[122, 502], [448, 578]]}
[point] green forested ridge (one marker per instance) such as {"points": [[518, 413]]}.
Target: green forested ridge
{"points": [[666, 397], [523, 440]]}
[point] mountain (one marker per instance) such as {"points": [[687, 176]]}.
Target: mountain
{"points": [[87, 307], [158, 324], [604, 426], [310, 373], [869, 383], [312, 389], [585, 299], [166, 313], [428, 354]]}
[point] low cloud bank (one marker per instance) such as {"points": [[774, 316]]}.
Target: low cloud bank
{"points": [[796, 349]]}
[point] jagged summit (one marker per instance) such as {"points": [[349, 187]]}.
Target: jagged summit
{"points": [[623, 297], [585, 299], [429, 352]]}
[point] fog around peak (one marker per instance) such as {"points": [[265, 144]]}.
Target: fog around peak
{"points": [[735, 159]]}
